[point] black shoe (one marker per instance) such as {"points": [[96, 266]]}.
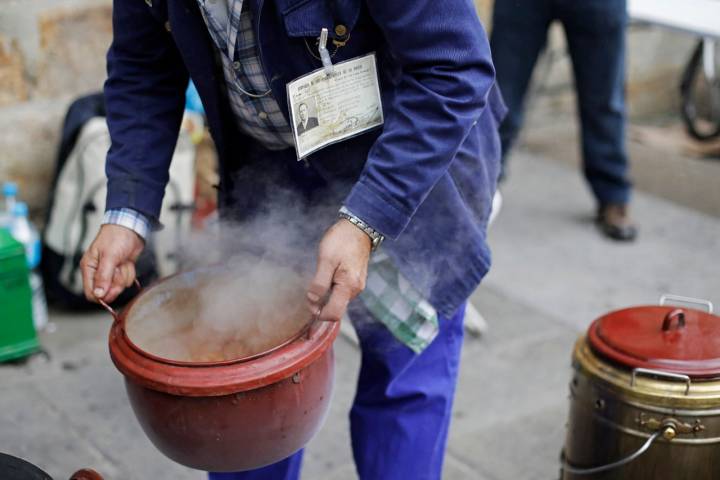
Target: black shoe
{"points": [[615, 223]]}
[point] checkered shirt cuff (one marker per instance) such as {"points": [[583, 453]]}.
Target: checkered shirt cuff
{"points": [[128, 218]]}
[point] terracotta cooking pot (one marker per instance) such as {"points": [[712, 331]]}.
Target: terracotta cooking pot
{"points": [[229, 415]]}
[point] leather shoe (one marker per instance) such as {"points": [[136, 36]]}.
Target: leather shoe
{"points": [[614, 222]]}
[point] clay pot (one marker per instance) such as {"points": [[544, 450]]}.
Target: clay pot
{"points": [[86, 474], [231, 415]]}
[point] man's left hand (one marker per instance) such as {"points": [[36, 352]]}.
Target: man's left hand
{"points": [[342, 266]]}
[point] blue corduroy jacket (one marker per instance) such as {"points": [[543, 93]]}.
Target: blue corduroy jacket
{"points": [[425, 180]]}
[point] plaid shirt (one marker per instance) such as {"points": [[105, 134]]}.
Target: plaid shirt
{"points": [[128, 218], [389, 297], [256, 110]]}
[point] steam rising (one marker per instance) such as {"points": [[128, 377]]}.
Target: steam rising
{"points": [[220, 313], [242, 290]]}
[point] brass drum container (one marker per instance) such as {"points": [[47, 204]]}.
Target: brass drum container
{"points": [[645, 396]]}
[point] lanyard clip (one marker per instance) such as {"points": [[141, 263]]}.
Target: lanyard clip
{"points": [[324, 54]]}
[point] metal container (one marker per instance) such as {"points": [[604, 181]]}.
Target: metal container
{"points": [[645, 396], [230, 415]]}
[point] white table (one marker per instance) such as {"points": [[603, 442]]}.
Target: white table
{"points": [[699, 17]]}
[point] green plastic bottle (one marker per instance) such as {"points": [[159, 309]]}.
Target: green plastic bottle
{"points": [[17, 333]]}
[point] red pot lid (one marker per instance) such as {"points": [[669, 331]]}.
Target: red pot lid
{"points": [[671, 339]]}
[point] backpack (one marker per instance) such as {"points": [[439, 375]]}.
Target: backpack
{"points": [[77, 206]]}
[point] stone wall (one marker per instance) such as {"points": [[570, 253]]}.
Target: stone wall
{"points": [[51, 51], [54, 50]]}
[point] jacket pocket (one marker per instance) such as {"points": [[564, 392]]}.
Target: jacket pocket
{"points": [[306, 18]]}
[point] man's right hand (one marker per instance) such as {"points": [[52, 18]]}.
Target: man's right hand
{"points": [[108, 266]]}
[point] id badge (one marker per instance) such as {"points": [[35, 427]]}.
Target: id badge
{"points": [[326, 109]]}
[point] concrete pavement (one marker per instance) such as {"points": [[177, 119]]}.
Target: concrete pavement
{"points": [[553, 274]]}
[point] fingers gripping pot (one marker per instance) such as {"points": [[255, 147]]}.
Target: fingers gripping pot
{"points": [[645, 396], [241, 410]]}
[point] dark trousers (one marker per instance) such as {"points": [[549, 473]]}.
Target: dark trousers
{"points": [[403, 405], [595, 32]]}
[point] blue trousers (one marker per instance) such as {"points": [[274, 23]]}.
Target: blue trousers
{"points": [[400, 417], [595, 32]]}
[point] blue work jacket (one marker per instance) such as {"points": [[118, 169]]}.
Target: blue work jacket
{"points": [[425, 180]]}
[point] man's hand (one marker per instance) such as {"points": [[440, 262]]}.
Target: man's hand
{"points": [[341, 270], [108, 266]]}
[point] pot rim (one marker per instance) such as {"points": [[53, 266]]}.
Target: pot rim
{"points": [[122, 317], [220, 377], [701, 394], [216, 380]]}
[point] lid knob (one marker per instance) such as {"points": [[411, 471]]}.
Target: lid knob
{"points": [[677, 313]]}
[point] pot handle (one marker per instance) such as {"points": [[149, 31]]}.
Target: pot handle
{"points": [[660, 373], [609, 466], [112, 311], [693, 301]]}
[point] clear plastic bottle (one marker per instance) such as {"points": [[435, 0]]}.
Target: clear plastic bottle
{"points": [[39, 302], [24, 232], [10, 191]]}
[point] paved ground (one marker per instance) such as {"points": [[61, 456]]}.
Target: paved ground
{"points": [[552, 275]]}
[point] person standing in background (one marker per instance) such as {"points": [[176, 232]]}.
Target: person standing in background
{"points": [[595, 32]]}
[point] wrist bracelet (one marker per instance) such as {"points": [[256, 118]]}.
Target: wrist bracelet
{"points": [[376, 238]]}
